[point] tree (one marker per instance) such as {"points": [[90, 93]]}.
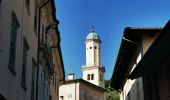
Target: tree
{"points": [[110, 93]]}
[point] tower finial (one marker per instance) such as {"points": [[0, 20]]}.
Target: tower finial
{"points": [[93, 30]]}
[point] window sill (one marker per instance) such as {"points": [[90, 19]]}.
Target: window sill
{"points": [[12, 70]]}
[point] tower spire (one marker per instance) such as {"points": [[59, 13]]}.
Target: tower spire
{"points": [[93, 29]]}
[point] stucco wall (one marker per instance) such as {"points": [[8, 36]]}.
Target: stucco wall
{"points": [[69, 91], [147, 41], [87, 92], [134, 88], [92, 55], [10, 85], [97, 74], [83, 92]]}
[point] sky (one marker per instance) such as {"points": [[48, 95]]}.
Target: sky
{"points": [[109, 17]]}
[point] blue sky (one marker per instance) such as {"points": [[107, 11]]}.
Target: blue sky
{"points": [[109, 17]]}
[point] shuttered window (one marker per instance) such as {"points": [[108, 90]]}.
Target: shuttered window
{"points": [[12, 51]]}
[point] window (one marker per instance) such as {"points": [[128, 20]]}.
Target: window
{"points": [[88, 77], [35, 16], [82, 95], [90, 47], [27, 4], [69, 95], [35, 24], [92, 76], [14, 27], [24, 63], [95, 47], [101, 77], [1, 97], [62, 97], [33, 80], [95, 98], [90, 98]]}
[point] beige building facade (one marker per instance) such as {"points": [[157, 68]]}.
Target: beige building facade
{"points": [[18, 50], [79, 89], [28, 35], [51, 68], [135, 43], [154, 68]]}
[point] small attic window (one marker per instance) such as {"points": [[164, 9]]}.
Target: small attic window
{"points": [[90, 47], [95, 47]]}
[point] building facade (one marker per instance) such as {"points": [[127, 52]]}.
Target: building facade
{"points": [[51, 68], [91, 87], [79, 89], [154, 68], [18, 50], [30, 55], [134, 45]]}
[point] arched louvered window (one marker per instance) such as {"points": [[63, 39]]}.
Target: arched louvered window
{"points": [[88, 77], [92, 76]]}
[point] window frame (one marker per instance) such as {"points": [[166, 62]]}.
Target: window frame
{"points": [[24, 64], [35, 16], [92, 76], [27, 4], [88, 76], [12, 47]]}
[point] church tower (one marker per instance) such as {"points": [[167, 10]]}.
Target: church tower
{"points": [[93, 71]]}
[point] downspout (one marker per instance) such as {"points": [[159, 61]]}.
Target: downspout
{"points": [[38, 49]]}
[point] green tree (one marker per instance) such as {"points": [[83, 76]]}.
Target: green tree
{"points": [[110, 93]]}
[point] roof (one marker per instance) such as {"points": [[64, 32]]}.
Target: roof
{"points": [[93, 36], [128, 48], [85, 82], [157, 55]]}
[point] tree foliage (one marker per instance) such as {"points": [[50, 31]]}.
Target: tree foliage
{"points": [[110, 93]]}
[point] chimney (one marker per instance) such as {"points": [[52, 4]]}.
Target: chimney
{"points": [[70, 76]]}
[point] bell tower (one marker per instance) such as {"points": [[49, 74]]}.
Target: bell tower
{"points": [[93, 71]]}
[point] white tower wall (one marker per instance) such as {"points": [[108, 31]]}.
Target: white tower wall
{"points": [[92, 53], [93, 72]]}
